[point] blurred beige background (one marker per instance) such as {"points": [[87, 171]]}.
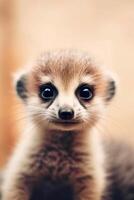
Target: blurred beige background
{"points": [[104, 28]]}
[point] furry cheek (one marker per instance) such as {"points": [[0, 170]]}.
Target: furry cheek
{"points": [[95, 110]]}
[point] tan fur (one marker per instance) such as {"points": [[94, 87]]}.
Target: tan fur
{"points": [[83, 160]]}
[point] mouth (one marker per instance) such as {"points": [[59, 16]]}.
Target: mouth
{"points": [[66, 122], [66, 125]]}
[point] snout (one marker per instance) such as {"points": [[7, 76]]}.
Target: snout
{"points": [[66, 119], [66, 113]]}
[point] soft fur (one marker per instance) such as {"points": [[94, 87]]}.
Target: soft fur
{"points": [[64, 161]]}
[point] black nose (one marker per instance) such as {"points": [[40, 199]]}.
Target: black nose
{"points": [[66, 113]]}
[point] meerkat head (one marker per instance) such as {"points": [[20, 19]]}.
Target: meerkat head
{"points": [[65, 90]]}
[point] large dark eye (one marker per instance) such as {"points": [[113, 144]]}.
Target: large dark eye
{"points": [[85, 92], [48, 92]]}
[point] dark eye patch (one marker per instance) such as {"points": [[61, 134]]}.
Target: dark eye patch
{"points": [[85, 92], [48, 92]]}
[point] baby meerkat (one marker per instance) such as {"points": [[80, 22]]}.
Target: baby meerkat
{"points": [[60, 156]]}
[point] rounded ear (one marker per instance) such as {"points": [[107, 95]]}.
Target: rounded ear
{"points": [[111, 86], [20, 82]]}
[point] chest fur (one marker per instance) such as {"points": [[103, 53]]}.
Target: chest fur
{"points": [[60, 157]]}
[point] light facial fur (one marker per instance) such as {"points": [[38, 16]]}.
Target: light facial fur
{"points": [[65, 95], [66, 71]]}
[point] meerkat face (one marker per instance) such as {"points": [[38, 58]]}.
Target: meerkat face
{"points": [[65, 90]]}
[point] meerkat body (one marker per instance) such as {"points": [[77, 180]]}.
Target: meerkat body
{"points": [[60, 155], [119, 167]]}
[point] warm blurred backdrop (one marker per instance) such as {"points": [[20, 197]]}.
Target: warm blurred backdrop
{"points": [[104, 28]]}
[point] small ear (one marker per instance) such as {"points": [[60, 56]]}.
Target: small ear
{"points": [[111, 87], [20, 85]]}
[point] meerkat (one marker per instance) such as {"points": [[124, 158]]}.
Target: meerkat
{"points": [[60, 155], [119, 167]]}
